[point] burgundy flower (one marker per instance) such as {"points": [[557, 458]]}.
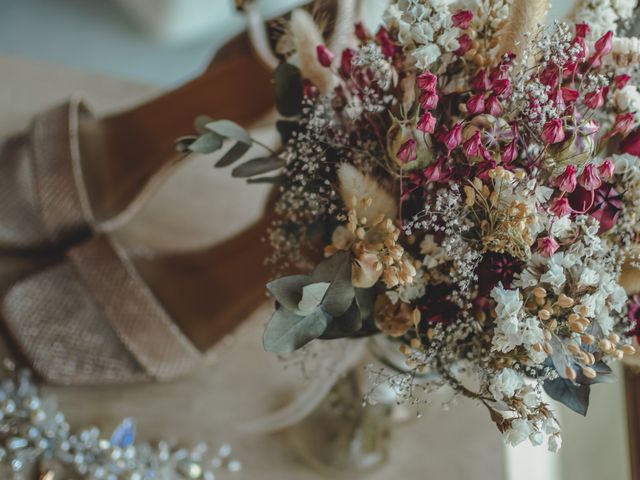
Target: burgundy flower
{"points": [[437, 171], [408, 151], [427, 123], [606, 170], [346, 61], [595, 99], [567, 180], [589, 179], [309, 90], [493, 106], [622, 80], [427, 81], [604, 44], [475, 104], [602, 47], [561, 207], [569, 95], [472, 145], [550, 76], [631, 144], [582, 30], [462, 19], [495, 268], [481, 82], [325, 56], [581, 200], [606, 208], [453, 138], [465, 43], [387, 46], [429, 100], [361, 31], [623, 124], [502, 87], [547, 246], [510, 152], [553, 131], [436, 306]]}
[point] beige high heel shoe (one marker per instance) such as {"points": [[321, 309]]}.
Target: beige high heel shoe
{"points": [[73, 175]]}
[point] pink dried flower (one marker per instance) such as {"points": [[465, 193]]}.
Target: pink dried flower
{"points": [[569, 95], [553, 132], [622, 80], [568, 180], [547, 246], [346, 61], [493, 106], [462, 19], [475, 104], [429, 100], [481, 82], [408, 151], [465, 43], [472, 145], [361, 32], [550, 76], [561, 207], [604, 44], [623, 124], [510, 152], [589, 178], [582, 30], [427, 81], [606, 170], [502, 86], [325, 56], [309, 90], [631, 144], [595, 99], [427, 123], [387, 46], [453, 138]]}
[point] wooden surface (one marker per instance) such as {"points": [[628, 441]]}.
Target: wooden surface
{"points": [[243, 382], [632, 381]]}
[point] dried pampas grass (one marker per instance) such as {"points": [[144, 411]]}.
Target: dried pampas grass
{"points": [[355, 185], [524, 18], [630, 275], [343, 31], [305, 36]]}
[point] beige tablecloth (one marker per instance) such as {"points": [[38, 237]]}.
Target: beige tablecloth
{"points": [[244, 382]]}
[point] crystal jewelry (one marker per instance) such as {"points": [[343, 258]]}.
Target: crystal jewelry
{"points": [[36, 442]]}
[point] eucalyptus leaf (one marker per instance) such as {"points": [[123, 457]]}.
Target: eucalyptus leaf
{"points": [[287, 331], [273, 180], [235, 153], [229, 129], [312, 296], [341, 293], [366, 298], [288, 290], [287, 81], [346, 325], [206, 143], [257, 166], [570, 394]]}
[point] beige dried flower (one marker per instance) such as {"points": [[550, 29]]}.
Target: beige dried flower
{"points": [[394, 320]]}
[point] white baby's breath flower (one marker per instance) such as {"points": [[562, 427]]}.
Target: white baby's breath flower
{"points": [[554, 277], [520, 431], [505, 384]]}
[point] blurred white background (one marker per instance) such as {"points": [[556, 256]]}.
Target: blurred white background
{"points": [[160, 42]]}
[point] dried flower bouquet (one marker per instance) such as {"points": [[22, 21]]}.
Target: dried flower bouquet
{"points": [[466, 182]]}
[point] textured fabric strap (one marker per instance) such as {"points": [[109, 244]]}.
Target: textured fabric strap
{"points": [[56, 170], [138, 318]]}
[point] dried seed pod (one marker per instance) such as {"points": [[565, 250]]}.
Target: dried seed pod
{"points": [[570, 373], [589, 372]]}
